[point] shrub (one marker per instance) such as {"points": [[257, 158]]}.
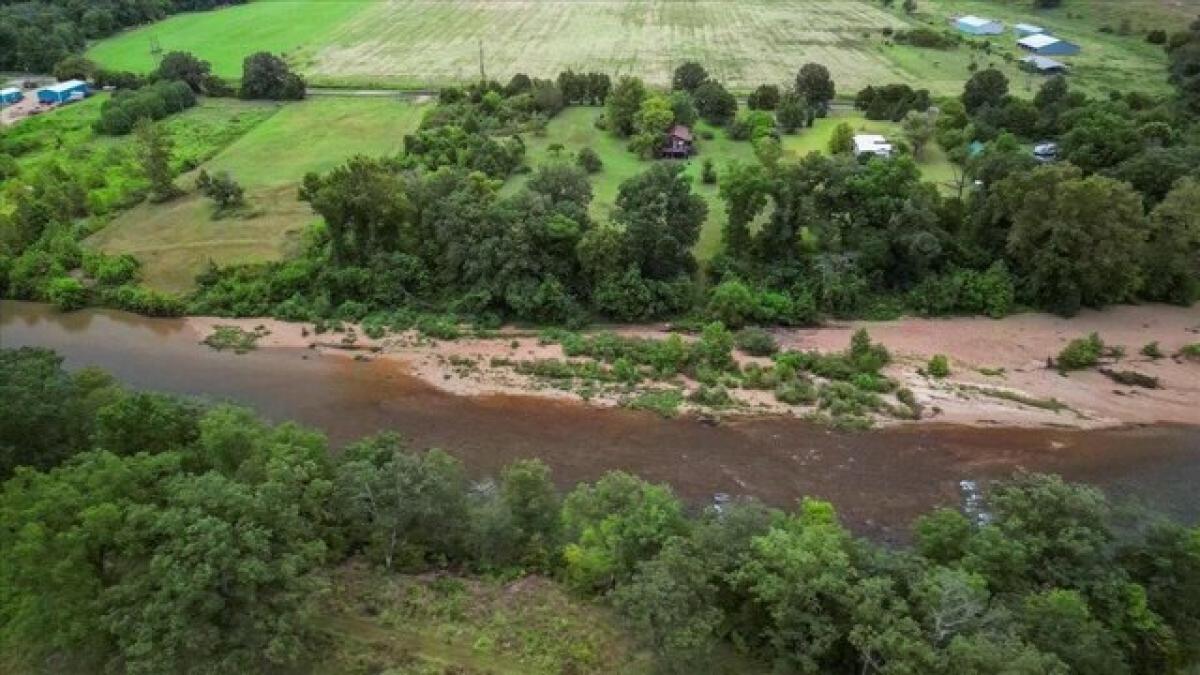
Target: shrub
{"points": [[867, 356], [756, 342], [1081, 353], [708, 172], [796, 392], [1157, 37], [666, 402], [66, 293], [120, 113], [589, 160], [939, 366], [1152, 351], [1190, 352], [1131, 378], [712, 397], [757, 377]]}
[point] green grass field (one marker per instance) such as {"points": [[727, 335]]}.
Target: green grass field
{"points": [[175, 241], [424, 43]]}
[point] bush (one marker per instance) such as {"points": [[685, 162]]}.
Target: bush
{"points": [[796, 392], [66, 293], [1190, 352], [1081, 353], [756, 342], [1152, 351], [708, 172], [589, 160], [711, 397], [939, 366], [266, 76], [120, 113], [1157, 37]]}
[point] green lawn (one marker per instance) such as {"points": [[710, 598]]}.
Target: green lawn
{"points": [[175, 241], [227, 36]]}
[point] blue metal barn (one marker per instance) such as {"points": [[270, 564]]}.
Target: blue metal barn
{"points": [[11, 96], [64, 92]]}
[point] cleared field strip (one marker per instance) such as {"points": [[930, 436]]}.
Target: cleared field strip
{"points": [[176, 240], [225, 37], [742, 43]]}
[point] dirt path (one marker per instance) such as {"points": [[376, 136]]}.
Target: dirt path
{"points": [[999, 374]]}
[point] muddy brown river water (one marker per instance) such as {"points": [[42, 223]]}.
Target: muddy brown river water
{"points": [[879, 480]]}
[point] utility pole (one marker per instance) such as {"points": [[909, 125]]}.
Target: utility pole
{"points": [[482, 72]]}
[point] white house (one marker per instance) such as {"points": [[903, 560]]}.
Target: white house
{"points": [[873, 144]]}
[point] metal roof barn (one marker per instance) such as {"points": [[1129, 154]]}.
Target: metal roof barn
{"points": [[63, 92], [975, 25]]}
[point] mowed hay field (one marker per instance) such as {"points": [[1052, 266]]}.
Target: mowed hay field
{"points": [[175, 241], [422, 43]]}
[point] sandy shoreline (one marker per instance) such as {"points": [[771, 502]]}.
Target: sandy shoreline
{"points": [[987, 357]]}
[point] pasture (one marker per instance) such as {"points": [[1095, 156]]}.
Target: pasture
{"points": [[429, 43], [175, 241]]}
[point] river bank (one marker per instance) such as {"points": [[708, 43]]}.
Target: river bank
{"points": [[999, 373], [879, 479]]}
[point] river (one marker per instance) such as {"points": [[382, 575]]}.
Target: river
{"points": [[878, 480]]}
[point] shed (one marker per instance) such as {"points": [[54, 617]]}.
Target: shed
{"points": [[10, 96], [1043, 64], [1027, 29], [64, 92], [1046, 45], [872, 144], [679, 142], [976, 25]]}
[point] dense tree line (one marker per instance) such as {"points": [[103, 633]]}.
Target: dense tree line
{"points": [[147, 533], [37, 34]]}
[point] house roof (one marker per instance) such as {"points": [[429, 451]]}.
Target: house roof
{"points": [[64, 86], [974, 21], [870, 143], [1039, 41], [681, 132], [1029, 28], [1043, 63]]}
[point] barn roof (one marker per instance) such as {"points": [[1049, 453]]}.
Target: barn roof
{"points": [[1039, 41], [9, 91], [65, 86], [974, 21], [1029, 28], [1043, 63]]}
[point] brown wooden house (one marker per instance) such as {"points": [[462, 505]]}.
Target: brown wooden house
{"points": [[679, 143]]}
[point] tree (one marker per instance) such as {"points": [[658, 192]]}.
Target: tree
{"points": [[744, 189], [671, 604], [662, 219], [74, 67], [266, 76], [589, 160], [814, 85], [1173, 250], [186, 68], [408, 508], [841, 142], [1074, 241], [1059, 622], [1100, 139], [613, 525], [714, 103], [765, 97], [1183, 52], [688, 77], [653, 119], [793, 113], [985, 87], [154, 153], [623, 105], [918, 128], [225, 192]]}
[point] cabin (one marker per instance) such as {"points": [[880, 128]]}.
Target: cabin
{"points": [[1043, 64], [11, 96], [64, 92], [1046, 45], [872, 144], [680, 143], [975, 25], [1027, 29]]}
